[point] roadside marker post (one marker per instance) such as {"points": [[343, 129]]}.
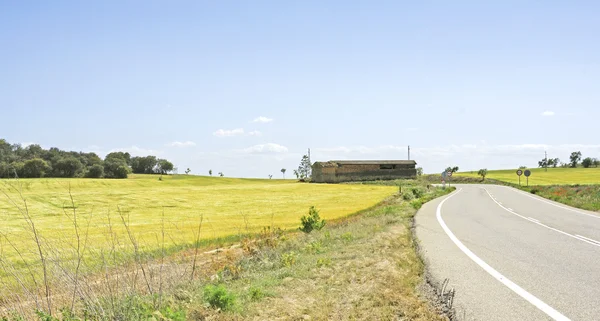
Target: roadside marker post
{"points": [[519, 172], [527, 174]]}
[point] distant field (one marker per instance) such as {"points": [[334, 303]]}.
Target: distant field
{"points": [[554, 176], [229, 206]]}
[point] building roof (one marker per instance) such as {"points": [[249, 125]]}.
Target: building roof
{"points": [[374, 162]]}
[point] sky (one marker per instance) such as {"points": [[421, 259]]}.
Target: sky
{"points": [[246, 87]]}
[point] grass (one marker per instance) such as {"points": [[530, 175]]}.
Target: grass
{"points": [[554, 176]]}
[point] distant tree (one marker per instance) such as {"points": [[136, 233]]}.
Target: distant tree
{"points": [[595, 162], [483, 173], [283, 172], [125, 156], [221, 174], [555, 162], [297, 174], [36, 167], [587, 162], [144, 165], [210, 172], [67, 167], [304, 169], [450, 169], [522, 167], [187, 171], [163, 166], [270, 176], [575, 158], [542, 163], [419, 171], [115, 167], [95, 171]]}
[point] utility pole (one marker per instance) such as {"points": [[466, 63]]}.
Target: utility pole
{"points": [[408, 152], [546, 160]]}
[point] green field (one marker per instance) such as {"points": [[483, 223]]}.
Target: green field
{"points": [[539, 176], [228, 206]]}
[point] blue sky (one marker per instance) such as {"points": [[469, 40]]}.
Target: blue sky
{"points": [[245, 87]]}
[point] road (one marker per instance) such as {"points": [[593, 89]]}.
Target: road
{"points": [[511, 255]]}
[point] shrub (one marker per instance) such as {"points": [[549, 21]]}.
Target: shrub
{"points": [[416, 204], [417, 192], [323, 262], [256, 294], [95, 171], [35, 168], [218, 297], [534, 191], [408, 196], [312, 221], [289, 259]]}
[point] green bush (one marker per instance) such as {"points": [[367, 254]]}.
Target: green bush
{"points": [[218, 297], [408, 196], [289, 259], [417, 192], [312, 221], [95, 171], [256, 294]]}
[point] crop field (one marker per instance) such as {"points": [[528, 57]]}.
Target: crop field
{"points": [[554, 176], [175, 205]]}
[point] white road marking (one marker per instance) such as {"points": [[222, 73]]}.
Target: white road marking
{"points": [[551, 203], [529, 217], [587, 238], [533, 220], [510, 209], [551, 312]]}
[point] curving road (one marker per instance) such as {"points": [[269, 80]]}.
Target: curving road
{"points": [[511, 255]]}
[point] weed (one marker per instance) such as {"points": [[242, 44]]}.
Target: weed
{"points": [[218, 297], [312, 221], [347, 237], [256, 293], [417, 192], [289, 259], [321, 262], [315, 247], [408, 196], [416, 204]]}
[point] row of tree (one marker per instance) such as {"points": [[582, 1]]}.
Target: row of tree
{"points": [[34, 161], [574, 161]]}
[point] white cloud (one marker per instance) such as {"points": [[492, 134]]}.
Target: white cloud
{"points": [[548, 113], [229, 132], [182, 144], [254, 133], [262, 119], [268, 148]]}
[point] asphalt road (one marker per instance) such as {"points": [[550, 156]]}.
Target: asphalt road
{"points": [[511, 255]]}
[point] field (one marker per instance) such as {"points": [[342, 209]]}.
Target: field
{"points": [[175, 204], [554, 176]]}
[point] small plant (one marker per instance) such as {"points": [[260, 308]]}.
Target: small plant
{"points": [[416, 204], [408, 196], [312, 221], [256, 294], [321, 262], [315, 247], [417, 192], [534, 191], [289, 259], [347, 237], [218, 297]]}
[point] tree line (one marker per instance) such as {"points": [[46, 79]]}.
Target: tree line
{"points": [[34, 161], [575, 159]]}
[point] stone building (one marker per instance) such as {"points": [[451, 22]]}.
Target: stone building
{"points": [[362, 170]]}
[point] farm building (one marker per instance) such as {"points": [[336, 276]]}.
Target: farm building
{"points": [[362, 170]]}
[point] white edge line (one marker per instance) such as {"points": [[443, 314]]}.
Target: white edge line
{"points": [[587, 238], [531, 218], [551, 203], [551, 312], [541, 224]]}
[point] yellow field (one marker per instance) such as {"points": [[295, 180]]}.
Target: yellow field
{"points": [[540, 177], [229, 206]]}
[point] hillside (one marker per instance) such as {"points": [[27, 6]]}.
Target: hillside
{"points": [[539, 176]]}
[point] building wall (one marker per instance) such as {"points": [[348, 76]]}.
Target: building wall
{"points": [[352, 173]]}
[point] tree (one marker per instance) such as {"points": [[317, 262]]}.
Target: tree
{"points": [[221, 174], [35, 168], [575, 158], [555, 162], [125, 156], [543, 163], [595, 162], [304, 169], [144, 165], [67, 167], [187, 171], [587, 162], [297, 174], [522, 167], [210, 172], [270, 176], [163, 166], [419, 171], [283, 172], [95, 171], [115, 168], [483, 173]]}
